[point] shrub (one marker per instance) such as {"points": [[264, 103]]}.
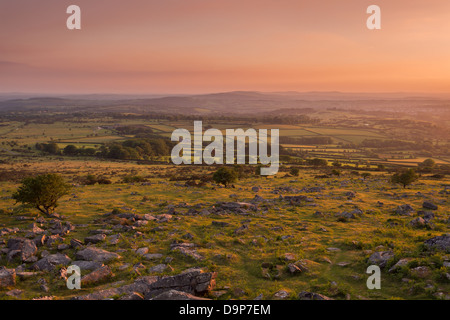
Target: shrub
{"points": [[70, 150], [316, 162], [294, 171], [336, 172], [91, 180], [133, 179], [225, 176], [42, 192], [366, 175], [405, 178]]}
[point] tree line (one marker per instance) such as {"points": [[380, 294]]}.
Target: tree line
{"points": [[132, 149]]}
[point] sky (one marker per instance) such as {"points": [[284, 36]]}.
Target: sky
{"points": [[201, 46]]}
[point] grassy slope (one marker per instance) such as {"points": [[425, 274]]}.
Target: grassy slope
{"points": [[238, 258]]}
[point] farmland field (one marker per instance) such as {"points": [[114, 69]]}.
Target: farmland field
{"points": [[317, 231]]}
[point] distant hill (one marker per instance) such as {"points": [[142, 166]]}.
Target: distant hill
{"points": [[237, 102]]}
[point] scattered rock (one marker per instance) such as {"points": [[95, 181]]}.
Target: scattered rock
{"points": [[429, 205], [40, 240], [49, 262], [164, 217], [44, 298], [132, 296], [440, 243], [27, 275], [15, 293], [257, 199], [401, 263], [426, 215], [343, 264], [75, 243], [238, 207], [421, 272], [95, 238], [87, 265], [153, 256], [281, 295], [20, 247], [381, 258], [177, 295], [325, 259], [98, 275], [305, 295], [306, 265], [140, 223], [61, 228], [29, 250], [192, 281], [345, 215], [148, 217], [6, 231], [35, 229], [404, 210], [289, 257], [220, 224], [187, 249], [96, 254], [293, 269], [114, 239], [62, 247], [417, 223], [7, 278], [160, 268], [142, 251], [51, 240]]}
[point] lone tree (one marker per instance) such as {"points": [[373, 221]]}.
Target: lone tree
{"points": [[42, 192], [225, 176], [405, 178], [427, 165]]}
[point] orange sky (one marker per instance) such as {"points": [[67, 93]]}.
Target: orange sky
{"points": [[198, 46]]}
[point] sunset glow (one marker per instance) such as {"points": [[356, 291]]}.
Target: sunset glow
{"points": [[198, 46]]}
